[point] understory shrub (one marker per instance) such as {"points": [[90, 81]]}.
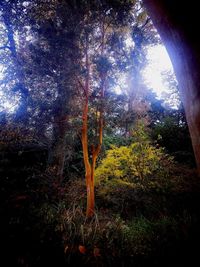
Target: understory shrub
{"points": [[139, 162], [135, 179], [107, 239]]}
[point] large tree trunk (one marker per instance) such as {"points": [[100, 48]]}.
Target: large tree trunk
{"points": [[178, 25]]}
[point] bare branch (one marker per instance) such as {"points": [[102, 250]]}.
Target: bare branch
{"points": [[146, 22], [4, 47]]}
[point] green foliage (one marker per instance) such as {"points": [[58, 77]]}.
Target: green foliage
{"points": [[142, 236], [110, 140], [107, 238], [136, 162], [16, 135], [103, 65], [173, 134]]}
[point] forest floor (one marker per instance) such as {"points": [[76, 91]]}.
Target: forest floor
{"points": [[43, 224]]}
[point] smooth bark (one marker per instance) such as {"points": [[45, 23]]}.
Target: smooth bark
{"points": [[90, 166]]}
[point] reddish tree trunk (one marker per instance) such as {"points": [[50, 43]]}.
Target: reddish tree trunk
{"points": [[84, 140], [90, 166], [88, 171]]}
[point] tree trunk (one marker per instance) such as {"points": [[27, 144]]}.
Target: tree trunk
{"points": [[57, 151], [84, 140], [90, 166], [88, 171], [179, 32]]}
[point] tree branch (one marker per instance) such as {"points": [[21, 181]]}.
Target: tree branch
{"points": [[4, 47], [146, 22]]}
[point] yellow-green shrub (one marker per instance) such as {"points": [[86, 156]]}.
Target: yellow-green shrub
{"points": [[132, 163]]}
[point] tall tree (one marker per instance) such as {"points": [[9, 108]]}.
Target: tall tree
{"points": [[54, 32], [101, 23]]}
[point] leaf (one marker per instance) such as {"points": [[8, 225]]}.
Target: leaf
{"points": [[97, 252], [82, 249]]}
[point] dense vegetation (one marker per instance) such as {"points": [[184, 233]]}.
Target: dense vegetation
{"points": [[64, 123]]}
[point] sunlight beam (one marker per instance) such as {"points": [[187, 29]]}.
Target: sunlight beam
{"points": [[158, 62]]}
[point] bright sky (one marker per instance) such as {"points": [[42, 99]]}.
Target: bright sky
{"points": [[158, 61], [6, 104]]}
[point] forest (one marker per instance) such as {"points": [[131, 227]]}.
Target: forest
{"points": [[96, 167]]}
